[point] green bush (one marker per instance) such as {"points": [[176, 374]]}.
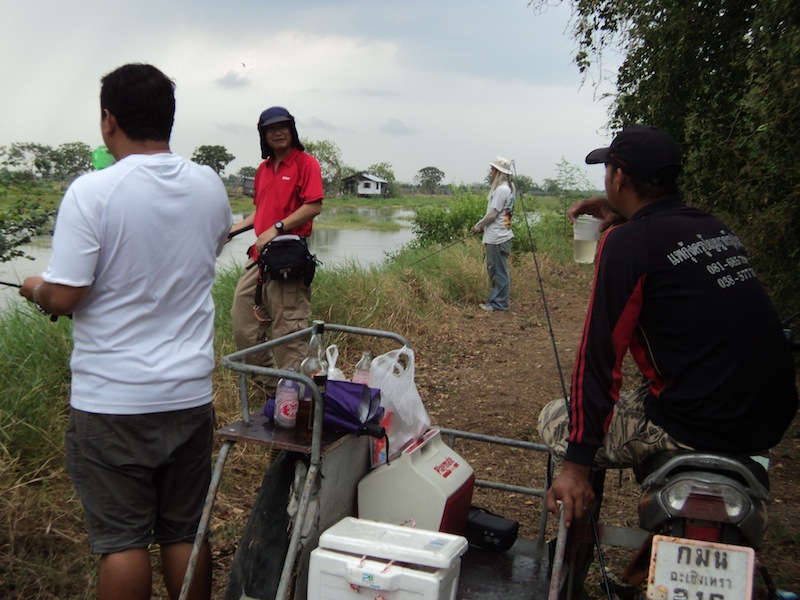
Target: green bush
{"points": [[449, 221], [539, 225], [551, 234]]}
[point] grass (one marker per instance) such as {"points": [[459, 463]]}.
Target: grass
{"points": [[400, 202], [40, 538], [34, 376], [46, 194], [241, 204], [354, 220], [43, 546]]}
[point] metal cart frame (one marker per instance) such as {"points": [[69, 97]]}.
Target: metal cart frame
{"points": [[529, 553], [250, 429]]}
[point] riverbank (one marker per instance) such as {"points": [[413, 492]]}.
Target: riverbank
{"points": [[483, 372]]}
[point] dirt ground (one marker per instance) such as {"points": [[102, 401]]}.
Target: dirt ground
{"points": [[495, 371], [491, 373]]}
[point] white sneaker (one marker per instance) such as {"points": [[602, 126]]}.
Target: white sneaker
{"points": [[487, 307]]}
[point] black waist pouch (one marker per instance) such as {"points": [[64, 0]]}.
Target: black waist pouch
{"points": [[287, 258]]}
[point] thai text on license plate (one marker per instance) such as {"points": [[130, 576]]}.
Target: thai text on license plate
{"points": [[683, 569]]}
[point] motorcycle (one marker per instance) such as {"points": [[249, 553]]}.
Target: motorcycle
{"points": [[704, 516], [708, 515]]}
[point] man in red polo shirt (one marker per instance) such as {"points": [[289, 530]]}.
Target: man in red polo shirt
{"points": [[288, 195]]}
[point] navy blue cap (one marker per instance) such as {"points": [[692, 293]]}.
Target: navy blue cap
{"points": [[276, 114]]}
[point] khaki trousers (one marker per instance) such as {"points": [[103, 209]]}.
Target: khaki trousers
{"points": [[285, 308], [631, 436]]}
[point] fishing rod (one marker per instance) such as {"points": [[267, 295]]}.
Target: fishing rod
{"points": [[53, 318], [458, 241], [563, 383], [237, 232], [541, 290]]}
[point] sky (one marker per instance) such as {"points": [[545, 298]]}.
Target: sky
{"points": [[413, 83]]}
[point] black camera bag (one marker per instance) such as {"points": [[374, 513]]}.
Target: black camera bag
{"points": [[285, 258], [288, 259]]}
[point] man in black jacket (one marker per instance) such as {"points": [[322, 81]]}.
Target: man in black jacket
{"points": [[675, 288]]}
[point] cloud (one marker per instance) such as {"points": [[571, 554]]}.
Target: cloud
{"points": [[320, 125], [374, 93], [397, 127], [233, 79], [236, 128], [413, 83]]}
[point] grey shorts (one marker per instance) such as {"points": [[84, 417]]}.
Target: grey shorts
{"points": [[141, 478]]}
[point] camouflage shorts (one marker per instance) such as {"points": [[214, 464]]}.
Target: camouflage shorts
{"points": [[631, 436]]}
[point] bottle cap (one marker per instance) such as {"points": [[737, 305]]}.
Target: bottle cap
{"points": [[102, 158]]}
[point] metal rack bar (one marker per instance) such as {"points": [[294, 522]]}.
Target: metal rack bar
{"points": [[236, 362], [453, 434]]}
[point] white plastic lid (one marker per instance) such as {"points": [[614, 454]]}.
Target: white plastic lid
{"points": [[394, 542]]}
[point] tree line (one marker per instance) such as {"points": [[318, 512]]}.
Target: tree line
{"points": [[39, 161], [67, 161]]}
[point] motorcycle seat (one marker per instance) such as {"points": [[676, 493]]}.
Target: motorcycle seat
{"points": [[656, 461]]}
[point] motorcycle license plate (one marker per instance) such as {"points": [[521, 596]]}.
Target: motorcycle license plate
{"points": [[683, 569]]}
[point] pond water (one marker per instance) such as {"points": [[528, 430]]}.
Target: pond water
{"points": [[332, 247]]}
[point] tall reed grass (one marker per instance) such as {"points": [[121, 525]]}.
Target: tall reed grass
{"points": [[34, 377]]}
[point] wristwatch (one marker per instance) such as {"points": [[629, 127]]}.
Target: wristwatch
{"points": [[279, 226]]}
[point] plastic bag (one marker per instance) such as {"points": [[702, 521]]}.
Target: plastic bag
{"points": [[334, 373], [406, 418]]}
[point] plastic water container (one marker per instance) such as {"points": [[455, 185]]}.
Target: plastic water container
{"points": [[359, 559], [428, 486], [586, 231]]}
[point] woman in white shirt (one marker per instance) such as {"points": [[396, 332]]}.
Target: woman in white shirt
{"points": [[497, 234]]}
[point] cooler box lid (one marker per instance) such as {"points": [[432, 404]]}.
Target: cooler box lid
{"points": [[394, 542]]}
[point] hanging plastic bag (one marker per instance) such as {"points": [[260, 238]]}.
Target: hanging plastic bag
{"points": [[334, 373], [406, 418]]}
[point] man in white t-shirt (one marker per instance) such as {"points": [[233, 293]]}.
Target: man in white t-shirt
{"points": [[134, 254]]}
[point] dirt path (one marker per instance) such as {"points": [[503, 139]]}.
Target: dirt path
{"points": [[491, 373]]}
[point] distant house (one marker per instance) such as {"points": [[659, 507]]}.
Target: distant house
{"points": [[365, 185], [248, 186]]}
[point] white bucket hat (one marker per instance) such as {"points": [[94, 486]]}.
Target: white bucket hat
{"points": [[501, 164]]}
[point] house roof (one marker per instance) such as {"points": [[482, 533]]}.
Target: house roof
{"points": [[367, 176]]}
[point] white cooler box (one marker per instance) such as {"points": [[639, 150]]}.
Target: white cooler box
{"points": [[359, 559]]}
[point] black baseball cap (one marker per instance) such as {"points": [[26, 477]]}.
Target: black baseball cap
{"points": [[644, 152]]}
